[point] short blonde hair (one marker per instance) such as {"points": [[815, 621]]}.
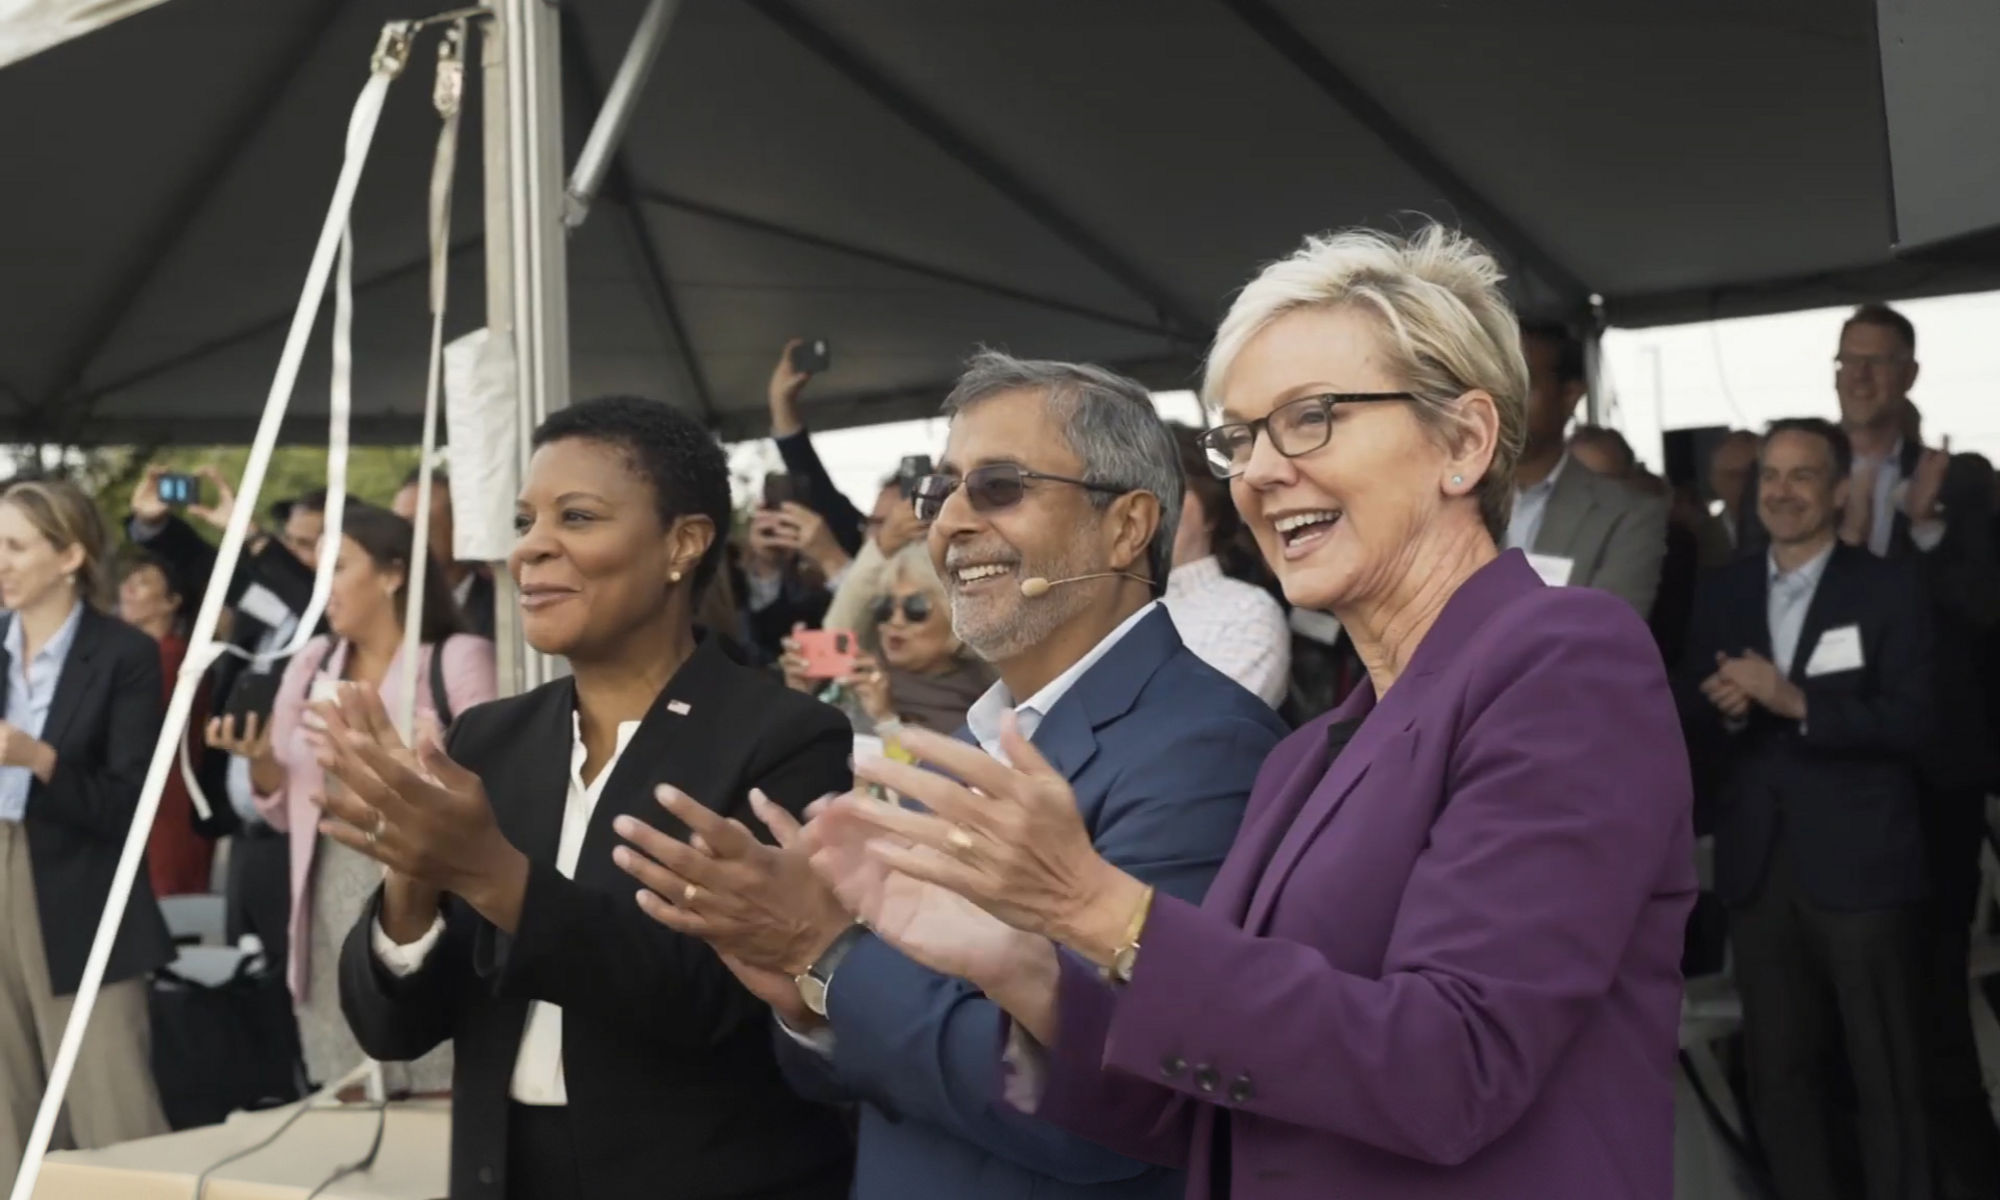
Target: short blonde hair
{"points": [[1446, 330], [62, 513], [912, 565]]}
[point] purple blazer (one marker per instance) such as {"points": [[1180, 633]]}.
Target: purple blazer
{"points": [[1444, 962]]}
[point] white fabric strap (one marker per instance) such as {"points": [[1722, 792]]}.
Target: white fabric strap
{"points": [[387, 63]]}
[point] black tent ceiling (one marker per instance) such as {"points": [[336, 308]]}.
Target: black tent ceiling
{"points": [[908, 178]]}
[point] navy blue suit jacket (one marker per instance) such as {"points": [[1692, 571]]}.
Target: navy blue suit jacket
{"points": [[1161, 751]]}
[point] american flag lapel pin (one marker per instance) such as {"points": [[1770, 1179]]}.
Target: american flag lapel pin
{"points": [[678, 707]]}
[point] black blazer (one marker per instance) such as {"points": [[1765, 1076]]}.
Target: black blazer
{"points": [[1845, 786], [103, 722], [668, 1062]]}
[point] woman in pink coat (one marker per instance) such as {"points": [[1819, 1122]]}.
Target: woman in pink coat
{"points": [[329, 882]]}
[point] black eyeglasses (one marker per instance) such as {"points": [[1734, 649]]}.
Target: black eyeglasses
{"points": [[1297, 427], [916, 609], [990, 488]]}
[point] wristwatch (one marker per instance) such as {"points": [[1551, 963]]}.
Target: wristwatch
{"points": [[813, 983], [1125, 959]]}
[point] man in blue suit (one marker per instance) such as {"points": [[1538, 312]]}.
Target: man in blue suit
{"points": [[1052, 524]]}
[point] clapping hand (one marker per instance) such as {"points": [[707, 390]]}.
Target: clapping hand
{"points": [[1007, 838], [421, 815]]}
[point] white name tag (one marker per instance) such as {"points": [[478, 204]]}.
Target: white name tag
{"points": [[1554, 569], [1837, 650], [262, 603], [1320, 627]]}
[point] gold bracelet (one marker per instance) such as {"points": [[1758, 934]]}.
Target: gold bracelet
{"points": [[1126, 957]]}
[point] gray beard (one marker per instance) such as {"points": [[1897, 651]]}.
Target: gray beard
{"points": [[1008, 634]]}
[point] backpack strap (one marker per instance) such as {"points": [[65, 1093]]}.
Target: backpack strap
{"points": [[440, 699]]}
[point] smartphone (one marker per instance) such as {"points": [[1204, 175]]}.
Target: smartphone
{"points": [[909, 471], [812, 356], [178, 490], [829, 653], [781, 489]]}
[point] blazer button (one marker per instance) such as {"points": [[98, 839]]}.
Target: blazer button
{"points": [[1205, 1077], [1239, 1089], [1172, 1065], [486, 1175]]}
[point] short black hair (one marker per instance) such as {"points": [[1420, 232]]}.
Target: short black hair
{"points": [[416, 476], [1883, 317], [669, 450], [1834, 436], [313, 501], [1604, 435], [1569, 347], [135, 560]]}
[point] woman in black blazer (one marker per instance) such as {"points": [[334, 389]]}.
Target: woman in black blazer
{"points": [[79, 714], [598, 1054]]}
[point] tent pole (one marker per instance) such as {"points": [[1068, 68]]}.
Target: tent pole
{"points": [[615, 116], [527, 292]]}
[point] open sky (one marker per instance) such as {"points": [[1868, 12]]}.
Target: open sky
{"points": [[1741, 373]]}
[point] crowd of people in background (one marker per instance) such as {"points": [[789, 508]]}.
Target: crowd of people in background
{"points": [[1823, 594]]}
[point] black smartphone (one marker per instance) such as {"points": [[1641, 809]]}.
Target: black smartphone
{"points": [[909, 471], [812, 356], [780, 489], [178, 490]]}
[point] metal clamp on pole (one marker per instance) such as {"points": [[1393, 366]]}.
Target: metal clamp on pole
{"points": [[615, 117]]}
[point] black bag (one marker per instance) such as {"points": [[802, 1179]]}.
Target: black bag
{"points": [[218, 1049]]}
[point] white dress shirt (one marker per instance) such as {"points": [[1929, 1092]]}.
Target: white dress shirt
{"points": [[1233, 626], [1531, 504], [1890, 488], [983, 719], [538, 1069], [1788, 595]]}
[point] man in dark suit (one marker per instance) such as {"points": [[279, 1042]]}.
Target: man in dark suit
{"points": [[1807, 696], [1055, 582], [1578, 528]]}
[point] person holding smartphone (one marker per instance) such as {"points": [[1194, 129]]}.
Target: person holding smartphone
{"points": [[330, 883]]}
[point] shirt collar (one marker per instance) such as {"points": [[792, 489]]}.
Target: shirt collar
{"points": [[983, 718], [577, 752], [56, 649], [1189, 577], [1548, 483], [1807, 572]]}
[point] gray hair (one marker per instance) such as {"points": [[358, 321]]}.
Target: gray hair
{"points": [[1109, 422]]}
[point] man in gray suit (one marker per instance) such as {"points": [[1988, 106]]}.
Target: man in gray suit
{"points": [[1579, 528]]}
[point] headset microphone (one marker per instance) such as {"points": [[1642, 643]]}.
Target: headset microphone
{"points": [[1034, 586]]}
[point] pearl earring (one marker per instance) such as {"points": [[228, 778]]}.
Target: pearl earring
{"points": [[1457, 479], [674, 577]]}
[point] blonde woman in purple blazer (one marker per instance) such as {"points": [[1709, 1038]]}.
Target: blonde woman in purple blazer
{"points": [[1442, 957]]}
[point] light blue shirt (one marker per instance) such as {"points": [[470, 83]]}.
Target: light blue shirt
{"points": [[31, 688], [1530, 505], [1788, 595]]}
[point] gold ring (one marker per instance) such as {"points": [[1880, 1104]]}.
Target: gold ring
{"points": [[689, 893], [959, 839]]}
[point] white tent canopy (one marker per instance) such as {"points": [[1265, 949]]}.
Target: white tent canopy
{"points": [[1069, 178]]}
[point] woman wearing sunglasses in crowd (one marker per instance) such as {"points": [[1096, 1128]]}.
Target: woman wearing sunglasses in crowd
{"points": [[923, 674], [597, 1054]]}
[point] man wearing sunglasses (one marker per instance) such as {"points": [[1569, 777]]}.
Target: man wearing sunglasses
{"points": [[1052, 519]]}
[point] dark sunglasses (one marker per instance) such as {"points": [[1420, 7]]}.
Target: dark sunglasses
{"points": [[1297, 427], [916, 609], [990, 488]]}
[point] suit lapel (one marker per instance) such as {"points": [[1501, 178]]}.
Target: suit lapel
{"points": [[1824, 594], [689, 715], [1569, 503], [77, 675], [530, 802], [1386, 737], [1265, 826], [1067, 736]]}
